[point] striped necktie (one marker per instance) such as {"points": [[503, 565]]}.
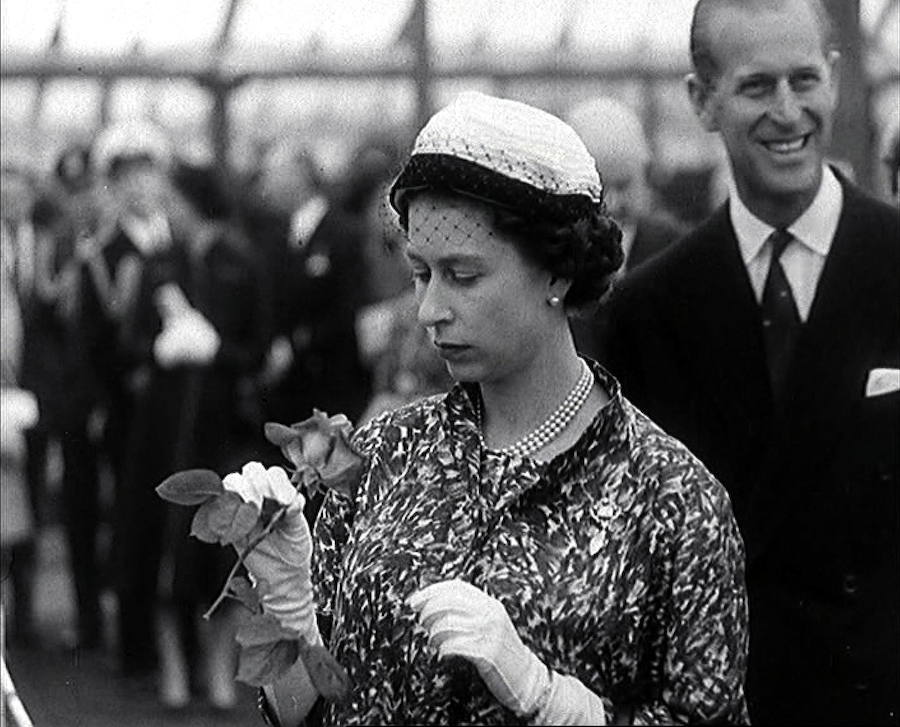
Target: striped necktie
{"points": [[780, 318]]}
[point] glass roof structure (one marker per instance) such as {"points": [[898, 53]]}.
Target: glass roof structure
{"points": [[332, 69]]}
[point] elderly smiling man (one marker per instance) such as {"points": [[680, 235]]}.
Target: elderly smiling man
{"points": [[768, 341]]}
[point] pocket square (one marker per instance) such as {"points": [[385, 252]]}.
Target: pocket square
{"points": [[882, 381]]}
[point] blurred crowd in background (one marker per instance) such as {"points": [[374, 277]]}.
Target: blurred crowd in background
{"points": [[159, 313]]}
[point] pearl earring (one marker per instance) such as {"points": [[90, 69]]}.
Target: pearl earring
{"points": [[553, 301]]}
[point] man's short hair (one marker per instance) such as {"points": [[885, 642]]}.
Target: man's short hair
{"points": [[702, 56]]}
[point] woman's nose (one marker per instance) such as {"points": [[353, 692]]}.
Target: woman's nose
{"points": [[433, 308]]}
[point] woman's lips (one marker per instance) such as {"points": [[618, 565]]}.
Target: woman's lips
{"points": [[451, 350]]}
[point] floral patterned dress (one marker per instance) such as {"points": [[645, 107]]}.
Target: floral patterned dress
{"points": [[619, 562]]}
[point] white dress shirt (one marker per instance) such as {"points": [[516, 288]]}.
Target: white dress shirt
{"points": [[804, 257]]}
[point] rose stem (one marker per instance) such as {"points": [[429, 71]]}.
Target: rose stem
{"points": [[223, 594]]}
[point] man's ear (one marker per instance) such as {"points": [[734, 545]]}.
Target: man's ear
{"points": [[833, 59], [700, 94]]}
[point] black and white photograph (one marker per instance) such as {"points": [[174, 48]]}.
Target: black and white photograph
{"points": [[449, 362]]}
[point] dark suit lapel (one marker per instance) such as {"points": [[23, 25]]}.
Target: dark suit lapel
{"points": [[717, 316]]}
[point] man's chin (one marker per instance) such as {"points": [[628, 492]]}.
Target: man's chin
{"points": [[794, 183]]}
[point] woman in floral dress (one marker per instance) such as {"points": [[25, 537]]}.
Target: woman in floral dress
{"points": [[528, 548]]}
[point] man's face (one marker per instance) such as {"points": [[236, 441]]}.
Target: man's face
{"points": [[772, 103], [284, 184], [625, 192], [140, 188]]}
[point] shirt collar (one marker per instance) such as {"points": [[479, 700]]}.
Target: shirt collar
{"points": [[815, 228]]}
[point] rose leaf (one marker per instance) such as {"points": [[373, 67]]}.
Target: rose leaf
{"points": [[243, 591], [191, 487], [200, 527], [326, 674], [264, 663], [260, 629], [230, 518]]}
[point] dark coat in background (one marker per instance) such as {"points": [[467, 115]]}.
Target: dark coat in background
{"points": [[327, 290], [185, 416], [814, 481], [652, 235]]}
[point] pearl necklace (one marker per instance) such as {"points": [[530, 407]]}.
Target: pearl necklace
{"points": [[554, 424]]}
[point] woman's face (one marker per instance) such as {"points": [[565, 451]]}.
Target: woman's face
{"points": [[484, 305]]}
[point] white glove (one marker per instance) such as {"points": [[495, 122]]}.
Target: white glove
{"points": [[200, 340], [167, 348], [462, 620], [283, 558], [187, 338], [20, 413]]}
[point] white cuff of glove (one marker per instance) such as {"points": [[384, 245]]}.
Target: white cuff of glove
{"points": [[569, 702]]}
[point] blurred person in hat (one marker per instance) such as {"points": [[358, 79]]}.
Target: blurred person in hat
{"points": [[768, 339], [135, 242], [529, 547], [614, 136]]}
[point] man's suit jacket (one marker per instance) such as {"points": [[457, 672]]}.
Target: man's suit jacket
{"points": [[814, 481]]}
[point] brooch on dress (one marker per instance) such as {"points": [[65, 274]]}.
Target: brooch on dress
{"points": [[604, 511]]}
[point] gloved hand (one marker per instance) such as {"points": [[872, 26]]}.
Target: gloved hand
{"points": [[167, 348], [283, 558], [200, 341], [464, 621], [20, 413], [187, 338]]}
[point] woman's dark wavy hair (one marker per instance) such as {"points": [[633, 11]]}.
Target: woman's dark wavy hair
{"points": [[570, 236], [587, 250]]}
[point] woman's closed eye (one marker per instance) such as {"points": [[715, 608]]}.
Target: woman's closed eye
{"points": [[461, 277], [451, 275]]}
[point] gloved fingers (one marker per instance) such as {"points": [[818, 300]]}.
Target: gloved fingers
{"points": [[433, 610], [448, 626], [276, 549], [450, 593], [467, 647], [281, 489], [439, 597]]}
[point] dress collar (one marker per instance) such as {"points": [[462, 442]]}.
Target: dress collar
{"points": [[610, 423]]}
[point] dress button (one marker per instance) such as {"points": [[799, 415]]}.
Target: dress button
{"points": [[850, 585]]}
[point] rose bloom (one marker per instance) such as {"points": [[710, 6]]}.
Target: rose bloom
{"points": [[322, 443], [255, 482]]}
